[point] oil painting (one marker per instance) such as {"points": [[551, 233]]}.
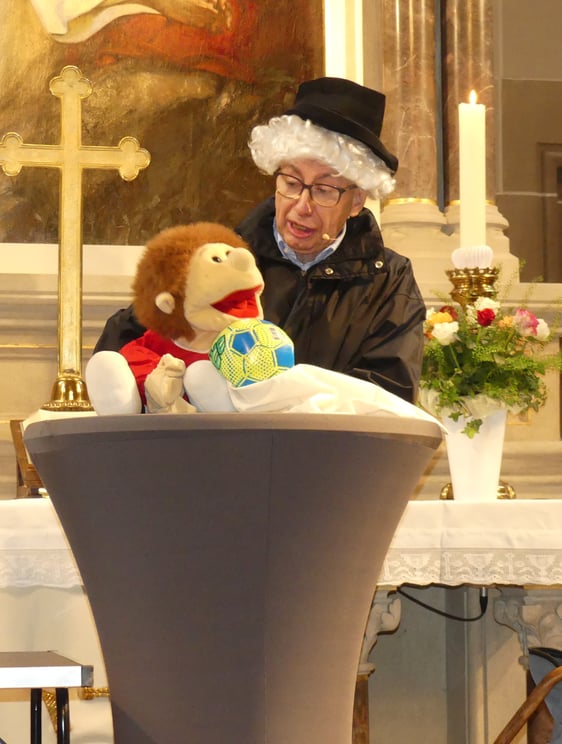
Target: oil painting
{"points": [[187, 78]]}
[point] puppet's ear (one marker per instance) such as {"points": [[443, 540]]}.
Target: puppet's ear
{"points": [[165, 302]]}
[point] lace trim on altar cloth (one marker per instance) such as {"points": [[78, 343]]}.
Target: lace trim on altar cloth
{"points": [[28, 567], [461, 566]]}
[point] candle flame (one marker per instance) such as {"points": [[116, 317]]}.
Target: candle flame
{"points": [[472, 98]]}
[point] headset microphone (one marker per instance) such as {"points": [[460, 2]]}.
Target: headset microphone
{"points": [[325, 236]]}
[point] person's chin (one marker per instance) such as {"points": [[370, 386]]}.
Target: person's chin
{"points": [[303, 248]]}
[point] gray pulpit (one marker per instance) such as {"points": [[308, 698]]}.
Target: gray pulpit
{"points": [[230, 561]]}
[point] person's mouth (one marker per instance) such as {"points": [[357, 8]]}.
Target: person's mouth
{"points": [[299, 230]]}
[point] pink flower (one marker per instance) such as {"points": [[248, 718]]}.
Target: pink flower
{"points": [[485, 317], [526, 322]]}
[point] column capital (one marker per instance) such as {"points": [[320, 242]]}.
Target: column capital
{"points": [[384, 618], [534, 614]]}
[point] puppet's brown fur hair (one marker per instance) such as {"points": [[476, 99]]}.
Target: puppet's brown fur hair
{"points": [[164, 267]]}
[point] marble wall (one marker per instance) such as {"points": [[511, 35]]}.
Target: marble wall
{"points": [[529, 156]]}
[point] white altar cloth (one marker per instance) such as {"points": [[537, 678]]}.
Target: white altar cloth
{"points": [[515, 541], [33, 547], [437, 542]]}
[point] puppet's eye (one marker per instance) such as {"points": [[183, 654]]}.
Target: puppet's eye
{"points": [[217, 259]]}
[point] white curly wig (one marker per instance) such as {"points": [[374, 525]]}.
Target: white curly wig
{"points": [[289, 137]]}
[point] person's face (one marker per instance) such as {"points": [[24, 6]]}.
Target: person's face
{"points": [[307, 227]]}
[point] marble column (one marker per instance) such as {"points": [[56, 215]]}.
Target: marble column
{"points": [[410, 119], [411, 220], [468, 60]]}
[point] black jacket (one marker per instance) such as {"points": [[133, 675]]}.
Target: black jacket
{"points": [[359, 311]]}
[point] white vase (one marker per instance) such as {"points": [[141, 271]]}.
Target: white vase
{"points": [[475, 463]]}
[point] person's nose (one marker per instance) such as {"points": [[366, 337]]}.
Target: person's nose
{"points": [[304, 202]]}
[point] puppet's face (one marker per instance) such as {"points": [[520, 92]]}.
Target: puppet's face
{"points": [[223, 284]]}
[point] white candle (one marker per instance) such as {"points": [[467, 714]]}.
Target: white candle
{"points": [[472, 172]]}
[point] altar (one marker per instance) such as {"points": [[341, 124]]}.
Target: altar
{"points": [[508, 545], [502, 542], [491, 574]]}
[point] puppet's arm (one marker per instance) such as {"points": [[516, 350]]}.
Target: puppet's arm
{"points": [[158, 377], [163, 387]]}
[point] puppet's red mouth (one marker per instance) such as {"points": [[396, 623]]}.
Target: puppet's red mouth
{"points": [[241, 304]]}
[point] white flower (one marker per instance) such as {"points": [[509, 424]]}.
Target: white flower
{"points": [[543, 331], [445, 333], [486, 303]]}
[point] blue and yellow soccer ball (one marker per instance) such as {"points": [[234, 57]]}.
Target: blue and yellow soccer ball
{"points": [[251, 350]]}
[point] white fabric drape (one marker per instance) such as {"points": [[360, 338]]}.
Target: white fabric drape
{"points": [[515, 541]]}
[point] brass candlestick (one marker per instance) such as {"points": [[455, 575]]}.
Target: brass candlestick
{"points": [[470, 284], [505, 491]]}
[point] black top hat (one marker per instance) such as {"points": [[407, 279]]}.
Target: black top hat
{"points": [[345, 107]]}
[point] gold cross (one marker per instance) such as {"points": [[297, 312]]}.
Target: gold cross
{"points": [[71, 157]]}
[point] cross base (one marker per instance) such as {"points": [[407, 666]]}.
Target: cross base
{"points": [[69, 394]]}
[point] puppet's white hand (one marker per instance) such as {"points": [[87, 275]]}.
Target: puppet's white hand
{"points": [[164, 387]]}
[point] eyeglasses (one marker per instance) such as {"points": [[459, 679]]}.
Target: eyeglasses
{"points": [[321, 193]]}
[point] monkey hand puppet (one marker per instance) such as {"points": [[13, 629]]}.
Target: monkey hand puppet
{"points": [[191, 282]]}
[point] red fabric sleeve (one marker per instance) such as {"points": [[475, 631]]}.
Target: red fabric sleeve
{"points": [[141, 360]]}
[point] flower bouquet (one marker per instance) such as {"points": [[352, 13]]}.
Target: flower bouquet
{"points": [[479, 358]]}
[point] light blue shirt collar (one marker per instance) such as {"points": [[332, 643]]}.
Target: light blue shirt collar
{"points": [[293, 258]]}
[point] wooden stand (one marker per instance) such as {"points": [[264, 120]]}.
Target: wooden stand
{"points": [[28, 481]]}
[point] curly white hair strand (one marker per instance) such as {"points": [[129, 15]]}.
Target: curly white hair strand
{"points": [[289, 137]]}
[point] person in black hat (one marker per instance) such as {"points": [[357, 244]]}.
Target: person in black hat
{"points": [[348, 303], [332, 133]]}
